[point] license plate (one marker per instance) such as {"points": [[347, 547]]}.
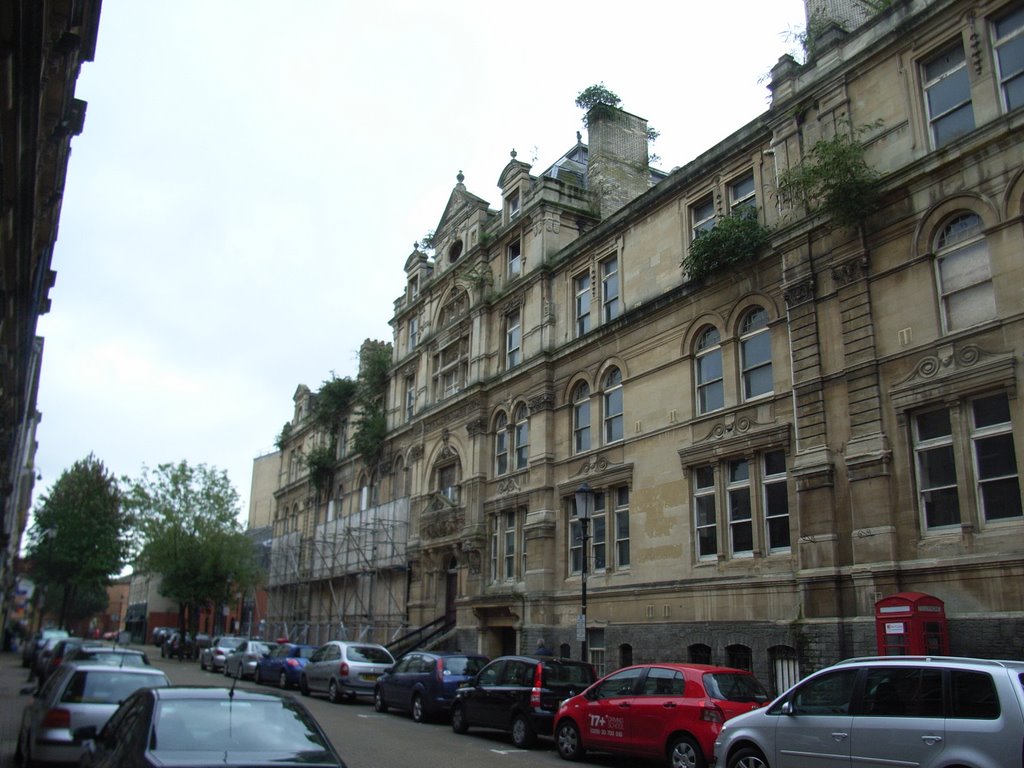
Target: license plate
{"points": [[368, 677]]}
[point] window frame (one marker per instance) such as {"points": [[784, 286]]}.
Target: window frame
{"points": [[948, 249], [514, 259], [933, 84], [749, 335], [708, 349], [581, 285], [520, 445], [581, 418], [999, 43], [513, 337], [613, 400], [746, 200], [611, 289], [702, 215], [501, 445]]}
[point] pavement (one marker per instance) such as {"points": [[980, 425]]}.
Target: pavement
{"points": [[12, 678]]}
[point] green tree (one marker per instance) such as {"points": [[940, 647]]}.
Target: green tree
{"points": [[79, 539], [372, 385], [190, 536]]}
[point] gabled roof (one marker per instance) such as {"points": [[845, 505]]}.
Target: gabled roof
{"points": [[459, 200]]}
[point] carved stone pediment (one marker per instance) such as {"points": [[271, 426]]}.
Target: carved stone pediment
{"points": [[954, 370], [735, 434], [441, 522]]}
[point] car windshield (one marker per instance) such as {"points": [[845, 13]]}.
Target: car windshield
{"points": [[727, 686], [95, 686], [368, 653], [226, 725], [229, 642], [463, 665]]}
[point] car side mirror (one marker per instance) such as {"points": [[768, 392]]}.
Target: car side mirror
{"points": [[787, 708], [28, 689]]}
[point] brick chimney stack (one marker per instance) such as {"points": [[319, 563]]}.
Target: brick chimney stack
{"points": [[617, 167]]}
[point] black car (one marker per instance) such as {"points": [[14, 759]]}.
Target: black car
{"points": [[424, 683], [519, 695], [195, 726]]}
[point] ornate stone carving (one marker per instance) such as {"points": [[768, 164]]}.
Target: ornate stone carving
{"points": [[476, 427], [595, 464], [416, 453], [730, 428], [946, 360], [851, 271], [798, 293], [509, 486], [544, 401]]}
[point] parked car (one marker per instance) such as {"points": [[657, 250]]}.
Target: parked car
{"points": [[424, 682], [33, 644], [284, 664], [244, 657], [77, 695], [893, 710], [162, 633], [344, 669], [656, 711], [186, 727], [177, 645], [61, 650], [519, 695], [115, 656], [212, 658], [43, 654]]}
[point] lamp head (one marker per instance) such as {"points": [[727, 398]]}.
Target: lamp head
{"points": [[584, 499]]}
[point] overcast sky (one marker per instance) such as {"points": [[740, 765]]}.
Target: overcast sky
{"points": [[253, 174]]}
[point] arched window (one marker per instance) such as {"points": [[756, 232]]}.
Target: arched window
{"points": [[699, 653], [625, 655], [710, 389], [739, 657], [501, 445], [581, 418], [613, 406], [522, 436], [756, 354], [964, 273]]}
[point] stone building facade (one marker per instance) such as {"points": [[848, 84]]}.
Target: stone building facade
{"points": [[771, 447]]}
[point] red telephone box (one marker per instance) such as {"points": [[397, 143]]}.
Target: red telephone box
{"points": [[911, 624]]}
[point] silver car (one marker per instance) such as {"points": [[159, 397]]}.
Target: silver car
{"points": [[344, 669], [885, 711], [244, 657], [212, 658], [77, 694]]}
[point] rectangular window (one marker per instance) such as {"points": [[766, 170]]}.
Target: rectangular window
{"points": [[1009, 45], [947, 91], [702, 216], [741, 528], [581, 289], [513, 338], [501, 450], [575, 539], [610, 289], [414, 288], [512, 205], [599, 534], [621, 495], [705, 520], [995, 460], [447, 478], [936, 469], [495, 547], [414, 332], [742, 194], [776, 501], [410, 398], [522, 437], [515, 259], [510, 544]]}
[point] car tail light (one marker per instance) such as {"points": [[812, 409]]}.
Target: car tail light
{"points": [[538, 683], [711, 713], [292, 663], [439, 669], [57, 718], [343, 669]]}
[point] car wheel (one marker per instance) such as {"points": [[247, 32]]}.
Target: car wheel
{"points": [[282, 680], [567, 739], [378, 700], [419, 712], [303, 686], [748, 757], [685, 753], [523, 735], [333, 694], [459, 722]]}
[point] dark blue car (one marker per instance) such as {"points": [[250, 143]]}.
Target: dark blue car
{"points": [[424, 682], [283, 665]]}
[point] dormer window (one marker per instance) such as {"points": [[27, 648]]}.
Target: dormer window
{"points": [[512, 205]]}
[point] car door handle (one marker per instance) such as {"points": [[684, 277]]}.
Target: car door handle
{"points": [[624, 705], [931, 739], [669, 705], [840, 736]]}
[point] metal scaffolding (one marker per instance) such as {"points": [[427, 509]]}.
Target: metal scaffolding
{"points": [[346, 581]]}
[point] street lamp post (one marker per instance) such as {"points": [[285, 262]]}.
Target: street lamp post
{"points": [[584, 499]]}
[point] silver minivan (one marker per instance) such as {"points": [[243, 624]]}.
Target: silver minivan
{"points": [[926, 711], [344, 669]]}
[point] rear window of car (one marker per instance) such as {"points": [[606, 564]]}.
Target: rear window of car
{"points": [[216, 725], [113, 658], [103, 687], [368, 653], [560, 673], [974, 695], [463, 665], [306, 653], [727, 686], [229, 642]]}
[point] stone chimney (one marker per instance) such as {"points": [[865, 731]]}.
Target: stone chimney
{"points": [[617, 164]]}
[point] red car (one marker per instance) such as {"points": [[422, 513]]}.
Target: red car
{"points": [[667, 711]]}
